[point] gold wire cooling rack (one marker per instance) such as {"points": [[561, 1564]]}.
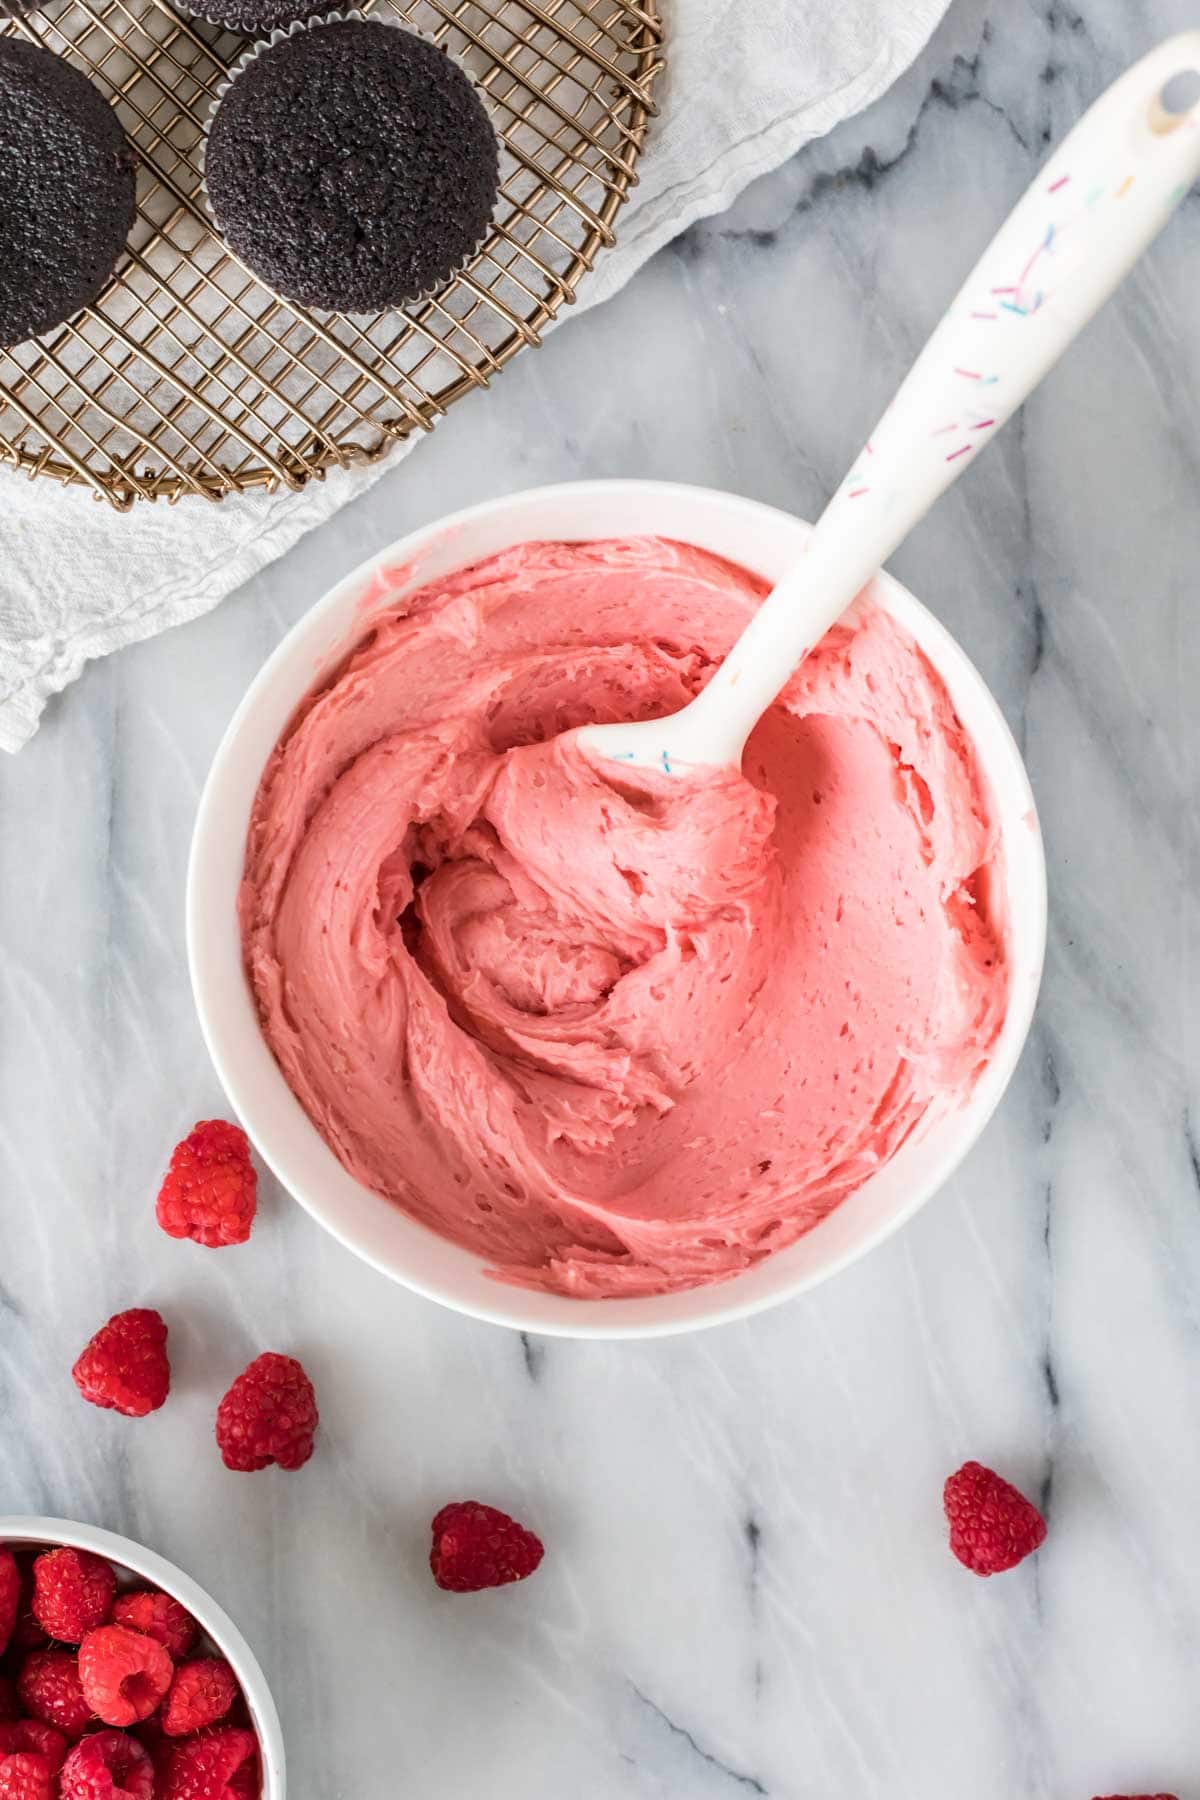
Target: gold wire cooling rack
{"points": [[188, 376]]}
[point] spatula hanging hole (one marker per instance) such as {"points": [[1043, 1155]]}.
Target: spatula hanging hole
{"points": [[1176, 98], [1182, 92]]}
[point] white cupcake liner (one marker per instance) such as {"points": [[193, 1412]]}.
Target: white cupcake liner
{"points": [[248, 28], [317, 22]]}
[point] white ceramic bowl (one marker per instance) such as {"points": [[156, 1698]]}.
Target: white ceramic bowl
{"points": [[145, 1568], [761, 539]]}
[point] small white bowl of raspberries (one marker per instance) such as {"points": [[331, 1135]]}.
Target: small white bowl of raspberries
{"points": [[120, 1679]]}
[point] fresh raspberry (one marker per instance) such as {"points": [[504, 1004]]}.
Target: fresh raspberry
{"points": [[247, 1783], [159, 1616], [124, 1674], [36, 1739], [72, 1593], [125, 1366], [159, 1748], [26, 1777], [210, 1191], [474, 1547], [108, 1766], [992, 1526], [10, 1706], [10, 1596], [221, 1765], [50, 1690], [201, 1694], [269, 1415], [239, 1712], [27, 1633]]}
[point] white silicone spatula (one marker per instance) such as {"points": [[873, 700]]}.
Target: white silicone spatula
{"points": [[1102, 197]]}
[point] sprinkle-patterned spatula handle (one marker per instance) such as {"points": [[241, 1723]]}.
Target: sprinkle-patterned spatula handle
{"points": [[1103, 196], [1105, 193]]}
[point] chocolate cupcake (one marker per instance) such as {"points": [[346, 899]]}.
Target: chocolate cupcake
{"points": [[351, 165], [66, 190]]}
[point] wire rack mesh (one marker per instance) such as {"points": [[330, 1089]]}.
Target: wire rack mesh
{"points": [[189, 376]]}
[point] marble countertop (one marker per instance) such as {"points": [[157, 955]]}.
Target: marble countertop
{"points": [[747, 1590]]}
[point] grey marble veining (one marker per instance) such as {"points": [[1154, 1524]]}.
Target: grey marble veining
{"points": [[747, 1590]]}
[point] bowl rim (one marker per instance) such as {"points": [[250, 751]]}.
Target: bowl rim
{"points": [[607, 1319], [25, 1531]]}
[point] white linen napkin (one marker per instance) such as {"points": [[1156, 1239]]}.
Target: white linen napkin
{"points": [[747, 83]]}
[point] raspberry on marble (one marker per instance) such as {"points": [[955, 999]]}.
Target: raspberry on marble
{"points": [[993, 1526], [124, 1367], [475, 1546], [210, 1192], [268, 1416]]}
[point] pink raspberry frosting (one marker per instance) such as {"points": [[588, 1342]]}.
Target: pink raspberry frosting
{"points": [[615, 1035]]}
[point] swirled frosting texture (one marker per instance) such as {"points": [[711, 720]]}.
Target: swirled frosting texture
{"points": [[618, 1035]]}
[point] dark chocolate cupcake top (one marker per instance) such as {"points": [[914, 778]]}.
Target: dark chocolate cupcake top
{"points": [[352, 166], [66, 190]]}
